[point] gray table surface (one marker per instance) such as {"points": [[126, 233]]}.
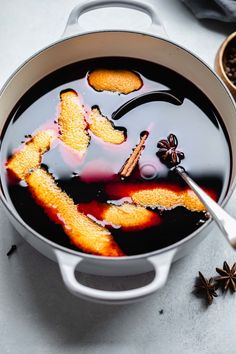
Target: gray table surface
{"points": [[37, 314]]}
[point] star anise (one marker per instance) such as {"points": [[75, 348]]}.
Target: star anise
{"points": [[208, 286], [167, 151], [227, 276]]}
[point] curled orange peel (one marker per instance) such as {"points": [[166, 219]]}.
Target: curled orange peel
{"points": [[122, 81], [84, 233], [155, 195], [104, 128], [72, 122], [126, 216], [29, 156]]}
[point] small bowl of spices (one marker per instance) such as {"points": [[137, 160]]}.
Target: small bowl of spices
{"points": [[225, 63]]}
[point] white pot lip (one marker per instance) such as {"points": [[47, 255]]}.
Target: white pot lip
{"points": [[91, 257]]}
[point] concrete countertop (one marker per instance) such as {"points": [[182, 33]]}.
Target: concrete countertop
{"points": [[37, 314]]}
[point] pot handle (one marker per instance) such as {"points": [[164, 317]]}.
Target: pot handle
{"points": [[68, 263], [147, 6]]}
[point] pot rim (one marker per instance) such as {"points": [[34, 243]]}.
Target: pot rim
{"points": [[54, 245]]}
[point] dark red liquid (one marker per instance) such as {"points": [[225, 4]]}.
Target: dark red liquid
{"points": [[197, 125]]}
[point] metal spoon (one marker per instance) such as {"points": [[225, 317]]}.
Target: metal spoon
{"points": [[165, 95], [225, 222]]}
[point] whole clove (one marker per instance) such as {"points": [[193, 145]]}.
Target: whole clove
{"points": [[11, 250]]}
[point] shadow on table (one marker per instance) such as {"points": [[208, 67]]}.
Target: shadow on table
{"points": [[220, 27], [67, 318], [38, 295]]}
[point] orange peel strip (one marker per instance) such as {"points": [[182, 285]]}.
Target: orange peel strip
{"points": [[168, 199], [82, 231], [122, 81], [72, 122], [104, 128], [127, 216], [162, 196], [30, 155]]}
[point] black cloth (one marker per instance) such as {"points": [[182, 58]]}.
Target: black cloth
{"points": [[222, 10]]}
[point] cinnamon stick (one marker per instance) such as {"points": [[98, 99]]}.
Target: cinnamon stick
{"points": [[131, 162]]}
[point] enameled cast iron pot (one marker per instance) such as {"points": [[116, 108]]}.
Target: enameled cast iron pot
{"points": [[150, 45]]}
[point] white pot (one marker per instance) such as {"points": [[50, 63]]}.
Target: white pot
{"points": [[152, 46]]}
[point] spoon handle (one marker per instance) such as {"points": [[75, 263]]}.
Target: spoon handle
{"points": [[225, 222]]}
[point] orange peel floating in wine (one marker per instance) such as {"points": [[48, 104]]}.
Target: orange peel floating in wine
{"points": [[104, 128], [81, 230], [122, 81], [168, 199], [29, 156], [127, 216], [158, 195], [72, 122]]}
